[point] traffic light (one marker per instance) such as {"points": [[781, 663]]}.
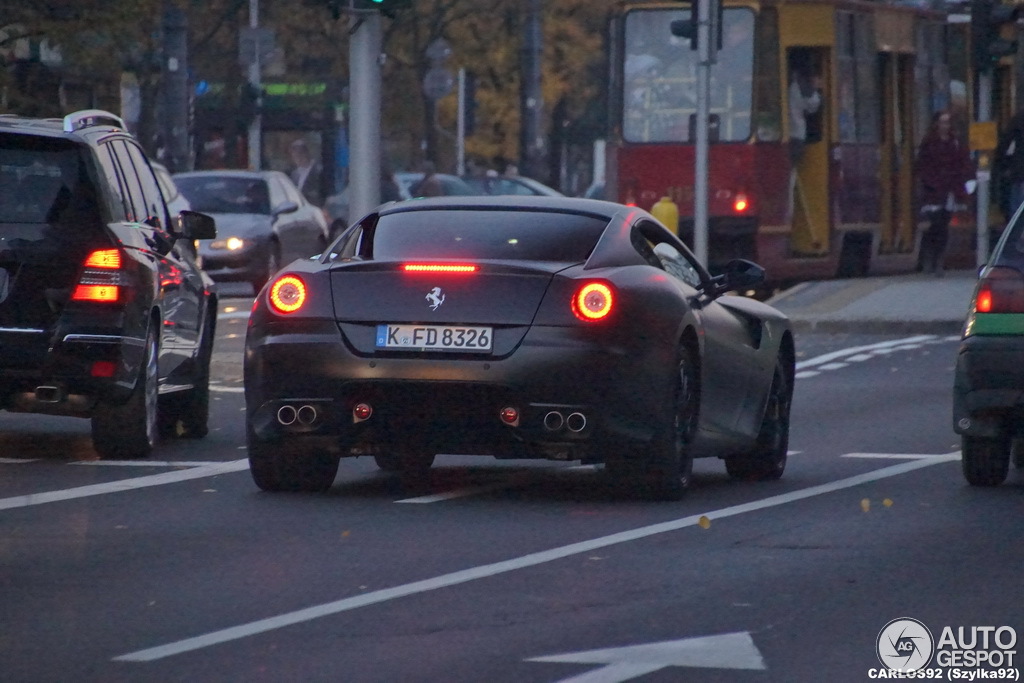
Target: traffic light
{"points": [[988, 17], [687, 28]]}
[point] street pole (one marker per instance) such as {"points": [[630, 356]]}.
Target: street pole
{"points": [[255, 68], [460, 126], [175, 116], [531, 144], [706, 53], [364, 124], [983, 175]]}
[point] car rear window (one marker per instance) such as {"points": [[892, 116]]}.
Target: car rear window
{"points": [[225, 194], [44, 181], [487, 234]]}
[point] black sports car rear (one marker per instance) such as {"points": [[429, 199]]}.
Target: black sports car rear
{"points": [[555, 328]]}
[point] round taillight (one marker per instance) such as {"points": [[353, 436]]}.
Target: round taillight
{"points": [[287, 294], [740, 203], [509, 416], [592, 301], [362, 411]]}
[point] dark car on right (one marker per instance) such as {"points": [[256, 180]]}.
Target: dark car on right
{"points": [[988, 388]]}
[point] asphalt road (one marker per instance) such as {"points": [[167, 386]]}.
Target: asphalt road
{"points": [[180, 569]]}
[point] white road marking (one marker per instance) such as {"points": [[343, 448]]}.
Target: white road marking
{"points": [[488, 570], [227, 390], [458, 493], [724, 651], [900, 456], [15, 461], [126, 485], [148, 463], [842, 353], [806, 373], [832, 366], [235, 315]]}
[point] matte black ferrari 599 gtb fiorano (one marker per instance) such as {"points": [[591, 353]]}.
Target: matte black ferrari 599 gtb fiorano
{"points": [[518, 327]]}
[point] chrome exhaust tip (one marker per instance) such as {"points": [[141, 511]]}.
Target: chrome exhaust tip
{"points": [[49, 394], [553, 421], [306, 415], [286, 415], [576, 422]]}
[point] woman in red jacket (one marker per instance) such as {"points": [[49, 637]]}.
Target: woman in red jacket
{"points": [[943, 167]]}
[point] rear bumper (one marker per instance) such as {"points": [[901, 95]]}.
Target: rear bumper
{"points": [[573, 400], [59, 379], [988, 385]]}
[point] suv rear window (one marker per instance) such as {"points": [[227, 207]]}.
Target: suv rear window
{"points": [[44, 181], [487, 234]]}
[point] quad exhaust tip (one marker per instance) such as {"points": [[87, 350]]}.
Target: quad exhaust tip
{"points": [[553, 421], [304, 415], [576, 422]]}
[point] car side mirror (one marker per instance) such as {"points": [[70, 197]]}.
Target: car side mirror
{"points": [[197, 226], [285, 207], [741, 274]]}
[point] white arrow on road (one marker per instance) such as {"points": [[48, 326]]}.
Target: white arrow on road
{"points": [[725, 651]]}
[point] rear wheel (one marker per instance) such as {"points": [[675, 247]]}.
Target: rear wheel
{"points": [[129, 430], [276, 467], [768, 461], [986, 462], [670, 467]]}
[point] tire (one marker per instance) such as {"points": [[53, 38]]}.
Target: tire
{"points": [[670, 467], [271, 266], [986, 462], [275, 467], [187, 414], [130, 430], [768, 461]]}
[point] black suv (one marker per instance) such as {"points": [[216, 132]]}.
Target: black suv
{"points": [[103, 311]]}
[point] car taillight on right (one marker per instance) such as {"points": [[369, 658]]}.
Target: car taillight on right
{"points": [[999, 292]]}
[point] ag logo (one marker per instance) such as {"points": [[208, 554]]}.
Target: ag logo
{"points": [[905, 644]]}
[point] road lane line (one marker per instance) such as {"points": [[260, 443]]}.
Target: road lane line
{"points": [[147, 463], [899, 456], [496, 568], [878, 347], [16, 461], [125, 485]]}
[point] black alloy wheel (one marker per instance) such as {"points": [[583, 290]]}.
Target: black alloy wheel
{"points": [[986, 462], [275, 467], [768, 460], [130, 430], [670, 467]]}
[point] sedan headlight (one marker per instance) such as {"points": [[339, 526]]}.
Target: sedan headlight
{"points": [[231, 244]]}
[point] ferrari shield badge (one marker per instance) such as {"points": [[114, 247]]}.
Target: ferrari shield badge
{"points": [[435, 298]]}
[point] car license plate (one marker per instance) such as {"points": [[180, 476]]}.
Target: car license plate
{"points": [[434, 338]]}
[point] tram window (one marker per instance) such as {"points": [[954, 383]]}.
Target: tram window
{"points": [[660, 78], [766, 80]]}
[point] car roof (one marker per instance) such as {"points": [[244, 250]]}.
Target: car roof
{"points": [[82, 126]]}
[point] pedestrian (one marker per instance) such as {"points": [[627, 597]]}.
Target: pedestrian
{"points": [[1009, 165], [943, 168], [430, 184], [305, 172]]}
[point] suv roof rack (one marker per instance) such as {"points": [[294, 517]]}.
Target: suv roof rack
{"points": [[91, 117]]}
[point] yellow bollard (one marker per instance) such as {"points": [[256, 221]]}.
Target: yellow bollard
{"points": [[667, 212]]}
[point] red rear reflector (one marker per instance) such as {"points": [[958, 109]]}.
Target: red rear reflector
{"points": [[96, 293], [287, 294], [362, 411], [103, 368], [1000, 291], [510, 416], [592, 301], [107, 259], [438, 268]]}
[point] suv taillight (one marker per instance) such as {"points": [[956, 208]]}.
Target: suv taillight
{"points": [[1001, 290], [102, 278]]}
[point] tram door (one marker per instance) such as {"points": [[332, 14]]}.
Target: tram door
{"points": [[896, 75], [811, 220]]}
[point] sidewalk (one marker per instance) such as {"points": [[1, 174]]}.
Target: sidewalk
{"points": [[914, 303]]}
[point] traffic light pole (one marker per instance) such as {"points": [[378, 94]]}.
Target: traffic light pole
{"points": [[364, 126], [984, 174], [706, 53]]}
